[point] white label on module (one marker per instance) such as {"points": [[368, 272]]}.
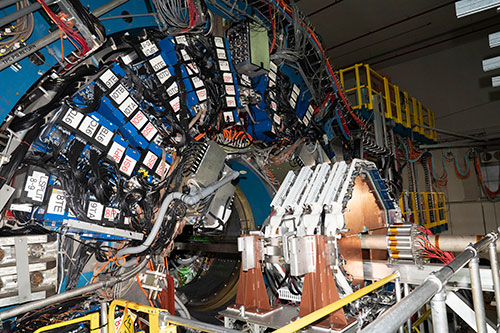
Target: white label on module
{"points": [[197, 82], [157, 63], [272, 83], [116, 152], [273, 105], [128, 107], [163, 75], [57, 202], [230, 90], [109, 78], [149, 132], [305, 120], [162, 168], [277, 119], [175, 104], [119, 94], [139, 120], [185, 55], [231, 102], [228, 77], [111, 213], [272, 76], [219, 41], [36, 184], [221, 54], [228, 116], [173, 89], [148, 48], [296, 89], [273, 67], [88, 126], [128, 165], [293, 103], [272, 95], [104, 136], [150, 160], [181, 40], [202, 94], [73, 118], [95, 210], [192, 68], [245, 80], [224, 66]]}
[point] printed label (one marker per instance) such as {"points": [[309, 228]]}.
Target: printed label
{"points": [[272, 76], [175, 104], [224, 66], [128, 165], [116, 152], [202, 94], [57, 202], [109, 78], [219, 41], [163, 75], [197, 82], [95, 210], [157, 63], [228, 77], [273, 67], [149, 132], [277, 119], [173, 89], [230, 101], [228, 116], [128, 107], [36, 184], [104, 136], [119, 94], [296, 89], [88, 126], [73, 118], [192, 68], [111, 213], [185, 55], [139, 120], [148, 48], [274, 107], [150, 160], [162, 168], [181, 40], [221, 54], [230, 90]]}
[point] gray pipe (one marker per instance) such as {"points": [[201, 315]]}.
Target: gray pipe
{"points": [[399, 313], [496, 277], [104, 317], [477, 295], [7, 3], [13, 312], [166, 318], [439, 316], [190, 199]]}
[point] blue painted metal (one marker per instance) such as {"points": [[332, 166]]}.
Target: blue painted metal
{"points": [[255, 191]]}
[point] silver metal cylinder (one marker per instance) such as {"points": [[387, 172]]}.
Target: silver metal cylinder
{"points": [[397, 290], [439, 316], [406, 288], [191, 323], [104, 317], [496, 277], [477, 295]]}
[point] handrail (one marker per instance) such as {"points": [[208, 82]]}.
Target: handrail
{"points": [[435, 282], [92, 318], [318, 314], [399, 105]]}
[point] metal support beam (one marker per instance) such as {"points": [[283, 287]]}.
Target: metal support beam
{"points": [[439, 317], [397, 289], [496, 278], [452, 133], [477, 295], [469, 7], [461, 307]]}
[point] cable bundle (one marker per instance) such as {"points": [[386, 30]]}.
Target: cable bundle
{"points": [[18, 33], [429, 250]]}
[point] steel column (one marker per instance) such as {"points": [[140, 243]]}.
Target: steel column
{"points": [[439, 317], [477, 295], [397, 289], [496, 277]]}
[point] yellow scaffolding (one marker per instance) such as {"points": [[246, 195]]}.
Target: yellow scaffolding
{"points": [[360, 83], [425, 208]]}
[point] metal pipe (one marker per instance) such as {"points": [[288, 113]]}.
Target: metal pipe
{"points": [[7, 3], [398, 314], [459, 135], [104, 317], [31, 48], [13, 312], [406, 288], [397, 290], [439, 317], [166, 318], [496, 277], [477, 295], [20, 13]]}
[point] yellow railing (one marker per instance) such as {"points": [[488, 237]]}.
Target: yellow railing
{"points": [[425, 208], [361, 83], [92, 319]]}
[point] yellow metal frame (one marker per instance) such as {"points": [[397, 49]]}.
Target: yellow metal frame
{"points": [[360, 83], [317, 315], [92, 318], [432, 207], [153, 313]]}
